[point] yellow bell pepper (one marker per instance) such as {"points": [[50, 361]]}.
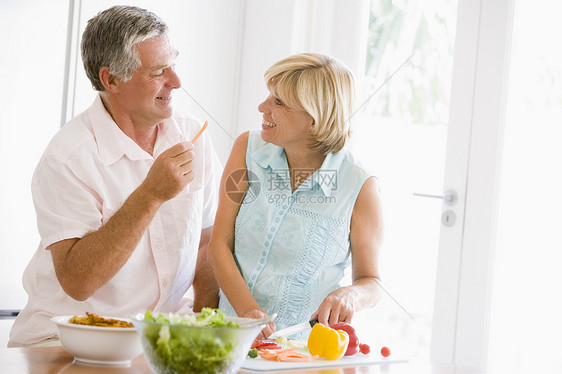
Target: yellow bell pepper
{"points": [[327, 342]]}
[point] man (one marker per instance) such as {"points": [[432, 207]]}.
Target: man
{"points": [[125, 203]]}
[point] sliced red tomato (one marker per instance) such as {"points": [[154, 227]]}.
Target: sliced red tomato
{"points": [[265, 343]]}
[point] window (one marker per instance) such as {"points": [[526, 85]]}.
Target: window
{"points": [[401, 137]]}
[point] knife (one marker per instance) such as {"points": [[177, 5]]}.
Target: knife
{"points": [[294, 329]]}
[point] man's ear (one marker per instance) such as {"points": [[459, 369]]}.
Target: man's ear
{"points": [[109, 81]]}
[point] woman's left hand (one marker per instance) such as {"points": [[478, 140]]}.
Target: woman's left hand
{"points": [[257, 314], [338, 306]]}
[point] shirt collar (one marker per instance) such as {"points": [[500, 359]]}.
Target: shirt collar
{"points": [[327, 176], [113, 143], [169, 134], [270, 155]]}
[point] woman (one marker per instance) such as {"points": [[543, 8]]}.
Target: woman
{"points": [[295, 207]]}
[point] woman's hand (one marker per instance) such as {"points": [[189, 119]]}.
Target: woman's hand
{"points": [[338, 306], [257, 314]]}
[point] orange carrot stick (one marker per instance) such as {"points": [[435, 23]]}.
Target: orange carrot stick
{"points": [[286, 355], [200, 132]]}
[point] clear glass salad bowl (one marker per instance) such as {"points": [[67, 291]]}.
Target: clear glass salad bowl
{"points": [[205, 343]]}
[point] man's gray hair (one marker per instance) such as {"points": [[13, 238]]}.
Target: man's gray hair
{"points": [[110, 39]]}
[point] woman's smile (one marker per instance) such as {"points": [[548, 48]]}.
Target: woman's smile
{"points": [[268, 124]]}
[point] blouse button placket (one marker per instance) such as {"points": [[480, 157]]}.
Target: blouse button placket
{"points": [[274, 227]]}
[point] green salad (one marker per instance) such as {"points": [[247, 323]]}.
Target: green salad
{"points": [[174, 348]]}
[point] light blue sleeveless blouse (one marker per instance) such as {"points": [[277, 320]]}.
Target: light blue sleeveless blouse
{"points": [[292, 248]]}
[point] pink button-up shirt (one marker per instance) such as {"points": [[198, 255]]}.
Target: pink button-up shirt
{"points": [[86, 173]]}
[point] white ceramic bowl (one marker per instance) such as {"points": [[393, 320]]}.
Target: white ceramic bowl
{"points": [[99, 345]]}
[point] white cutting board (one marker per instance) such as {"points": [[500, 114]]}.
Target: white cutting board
{"points": [[260, 364]]}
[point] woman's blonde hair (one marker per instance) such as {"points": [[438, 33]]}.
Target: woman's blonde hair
{"points": [[321, 86]]}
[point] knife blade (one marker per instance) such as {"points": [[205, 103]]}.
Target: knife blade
{"points": [[294, 329]]}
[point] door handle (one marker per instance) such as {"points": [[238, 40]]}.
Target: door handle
{"points": [[450, 197]]}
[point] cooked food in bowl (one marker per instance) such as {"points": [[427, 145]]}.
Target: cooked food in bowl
{"points": [[94, 320], [99, 344], [209, 342]]}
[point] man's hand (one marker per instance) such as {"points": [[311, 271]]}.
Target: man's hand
{"points": [[170, 173]]}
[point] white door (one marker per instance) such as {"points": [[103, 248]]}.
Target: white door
{"points": [[466, 251]]}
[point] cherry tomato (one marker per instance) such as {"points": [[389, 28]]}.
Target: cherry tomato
{"points": [[364, 348], [385, 351]]}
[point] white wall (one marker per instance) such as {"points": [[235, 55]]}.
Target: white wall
{"points": [[32, 36], [274, 30]]}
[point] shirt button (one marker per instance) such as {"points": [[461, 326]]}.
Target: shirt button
{"points": [[165, 283], [276, 219], [267, 244], [285, 206], [263, 253], [269, 236], [250, 284], [262, 261]]}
